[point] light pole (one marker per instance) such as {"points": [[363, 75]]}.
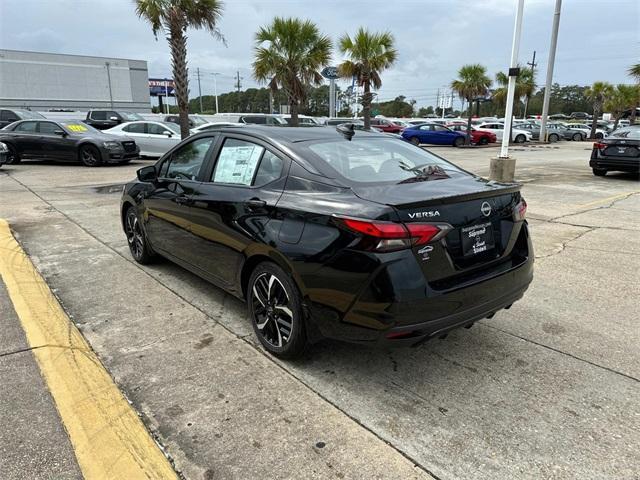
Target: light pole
{"points": [[215, 88], [107, 64], [550, 63]]}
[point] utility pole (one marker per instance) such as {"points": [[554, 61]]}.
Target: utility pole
{"points": [[550, 63], [107, 64], [533, 66], [199, 88], [238, 85], [215, 88]]}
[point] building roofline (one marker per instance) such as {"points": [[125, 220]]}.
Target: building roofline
{"points": [[71, 55]]}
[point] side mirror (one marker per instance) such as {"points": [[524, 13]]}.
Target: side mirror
{"points": [[62, 133], [114, 119], [147, 174], [168, 133]]}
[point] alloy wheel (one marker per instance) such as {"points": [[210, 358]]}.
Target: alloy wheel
{"points": [[272, 310], [135, 237], [89, 156]]}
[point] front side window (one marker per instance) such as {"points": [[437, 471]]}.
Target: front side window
{"points": [[27, 127], [48, 128], [101, 115], [135, 128], [185, 163], [380, 160]]}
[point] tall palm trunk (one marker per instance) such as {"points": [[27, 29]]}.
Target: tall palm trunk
{"points": [[293, 110], [594, 123], [366, 102], [178, 44], [467, 138], [632, 118]]}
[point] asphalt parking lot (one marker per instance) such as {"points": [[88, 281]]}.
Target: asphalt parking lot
{"points": [[547, 389]]}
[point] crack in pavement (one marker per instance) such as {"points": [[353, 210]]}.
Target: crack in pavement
{"points": [[566, 243], [602, 207]]}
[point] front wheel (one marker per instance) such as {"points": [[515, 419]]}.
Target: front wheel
{"points": [[484, 141], [458, 142], [553, 138], [90, 156], [12, 157], [138, 245], [415, 141], [599, 136], [520, 138], [576, 137], [275, 308], [599, 172]]}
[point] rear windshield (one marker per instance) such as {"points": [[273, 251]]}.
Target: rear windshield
{"points": [[374, 160], [29, 114]]}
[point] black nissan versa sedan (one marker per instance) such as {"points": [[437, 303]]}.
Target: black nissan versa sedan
{"points": [[65, 142], [331, 233]]}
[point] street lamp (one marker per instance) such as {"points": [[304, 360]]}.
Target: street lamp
{"points": [[215, 88]]}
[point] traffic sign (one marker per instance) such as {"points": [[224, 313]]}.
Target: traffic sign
{"points": [[330, 73]]}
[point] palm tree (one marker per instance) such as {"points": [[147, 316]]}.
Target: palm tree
{"points": [[173, 17], [634, 71], [472, 83], [289, 54], [525, 86], [597, 93], [620, 99], [368, 55]]}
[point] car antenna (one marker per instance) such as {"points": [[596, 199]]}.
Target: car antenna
{"points": [[347, 130]]}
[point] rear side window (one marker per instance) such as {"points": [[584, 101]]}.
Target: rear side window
{"points": [[28, 127], [237, 162], [255, 120], [135, 128], [185, 163]]}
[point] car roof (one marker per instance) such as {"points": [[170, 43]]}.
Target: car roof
{"points": [[291, 134]]}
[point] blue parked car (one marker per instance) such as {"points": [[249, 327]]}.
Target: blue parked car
{"points": [[434, 134]]}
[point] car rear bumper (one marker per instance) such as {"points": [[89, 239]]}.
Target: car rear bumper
{"points": [[616, 163], [430, 314]]}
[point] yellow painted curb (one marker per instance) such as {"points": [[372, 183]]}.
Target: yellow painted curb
{"points": [[109, 439]]}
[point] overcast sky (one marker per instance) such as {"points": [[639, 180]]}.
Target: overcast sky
{"points": [[598, 39]]}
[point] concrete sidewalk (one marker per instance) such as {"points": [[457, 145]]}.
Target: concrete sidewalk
{"points": [[33, 442]]}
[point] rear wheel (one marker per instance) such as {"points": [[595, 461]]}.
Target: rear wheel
{"points": [[458, 142], [90, 156], [520, 138], [483, 140], [12, 156], [415, 141], [576, 137], [599, 136], [136, 238], [599, 172], [553, 138], [275, 308]]}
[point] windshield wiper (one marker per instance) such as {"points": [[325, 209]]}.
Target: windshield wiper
{"points": [[424, 173]]}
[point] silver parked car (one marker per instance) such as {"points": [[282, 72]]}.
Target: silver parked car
{"points": [[153, 138]]}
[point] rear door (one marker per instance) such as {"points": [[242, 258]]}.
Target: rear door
{"points": [[27, 139], [138, 132], [167, 210], [426, 134], [232, 207]]}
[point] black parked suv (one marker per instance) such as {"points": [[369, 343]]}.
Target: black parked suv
{"points": [[103, 119], [8, 116]]}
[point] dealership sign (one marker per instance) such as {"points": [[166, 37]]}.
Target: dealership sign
{"points": [[161, 87]]}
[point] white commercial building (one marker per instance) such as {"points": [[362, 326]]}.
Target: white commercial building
{"points": [[44, 81]]}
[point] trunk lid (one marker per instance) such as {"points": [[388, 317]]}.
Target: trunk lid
{"points": [[483, 231]]}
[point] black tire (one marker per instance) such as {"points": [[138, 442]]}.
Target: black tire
{"points": [[12, 157], [136, 238], [577, 137], [90, 156], [458, 142], [554, 137], [415, 141], [484, 141], [599, 172], [520, 138], [276, 311], [599, 136]]}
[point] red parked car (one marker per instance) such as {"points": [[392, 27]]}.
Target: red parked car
{"points": [[386, 125], [479, 137]]}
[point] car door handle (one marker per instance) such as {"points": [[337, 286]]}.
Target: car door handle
{"points": [[256, 203]]}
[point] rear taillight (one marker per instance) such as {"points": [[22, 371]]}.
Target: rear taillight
{"points": [[520, 210], [391, 236], [599, 145]]}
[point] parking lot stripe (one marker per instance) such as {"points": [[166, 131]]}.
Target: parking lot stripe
{"points": [[610, 199], [109, 439]]}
